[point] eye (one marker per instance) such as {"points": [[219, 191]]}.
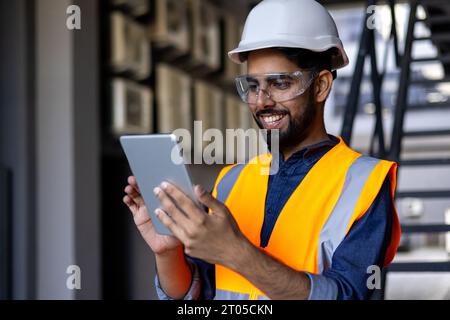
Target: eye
{"points": [[252, 87], [281, 84]]}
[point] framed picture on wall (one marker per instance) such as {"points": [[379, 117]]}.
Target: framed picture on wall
{"points": [[233, 31], [130, 46], [170, 27], [173, 94], [205, 34], [136, 7], [132, 107], [209, 104], [238, 114]]}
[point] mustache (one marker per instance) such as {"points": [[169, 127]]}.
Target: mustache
{"points": [[271, 111]]}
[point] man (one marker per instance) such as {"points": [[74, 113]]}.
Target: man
{"points": [[310, 231]]}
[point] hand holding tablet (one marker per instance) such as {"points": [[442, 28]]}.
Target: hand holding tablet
{"points": [[151, 159]]}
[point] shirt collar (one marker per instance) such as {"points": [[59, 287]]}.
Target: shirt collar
{"points": [[307, 155], [312, 149]]}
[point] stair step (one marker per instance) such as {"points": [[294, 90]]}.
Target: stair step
{"points": [[442, 266], [437, 37], [425, 38], [436, 20], [429, 81], [424, 194], [441, 58], [429, 106], [426, 133], [426, 228], [432, 2], [425, 162]]}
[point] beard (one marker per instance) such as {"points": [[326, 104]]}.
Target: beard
{"points": [[298, 128]]}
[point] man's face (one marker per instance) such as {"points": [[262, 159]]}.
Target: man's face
{"points": [[293, 118]]}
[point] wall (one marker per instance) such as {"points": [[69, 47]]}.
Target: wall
{"points": [[67, 151]]}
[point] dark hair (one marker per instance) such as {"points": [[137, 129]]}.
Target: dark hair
{"points": [[307, 59]]}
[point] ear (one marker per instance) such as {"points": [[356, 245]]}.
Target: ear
{"points": [[323, 85]]}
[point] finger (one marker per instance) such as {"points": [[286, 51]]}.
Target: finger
{"points": [[185, 203], [135, 195], [132, 191], [133, 182], [169, 206], [130, 203], [170, 224], [140, 215], [208, 200]]}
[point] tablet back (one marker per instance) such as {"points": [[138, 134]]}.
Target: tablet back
{"points": [[154, 159]]}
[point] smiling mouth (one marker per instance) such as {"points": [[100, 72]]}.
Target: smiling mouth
{"points": [[271, 121]]}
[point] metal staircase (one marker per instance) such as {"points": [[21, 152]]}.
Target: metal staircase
{"points": [[438, 21], [399, 134]]}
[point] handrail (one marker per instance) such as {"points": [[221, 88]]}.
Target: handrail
{"points": [[402, 97], [353, 96], [394, 33], [368, 48]]}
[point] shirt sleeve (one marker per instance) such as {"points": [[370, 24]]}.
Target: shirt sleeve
{"points": [[207, 277], [203, 285], [369, 237], [193, 292]]}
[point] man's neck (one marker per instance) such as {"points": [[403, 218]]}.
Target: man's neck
{"points": [[312, 138]]}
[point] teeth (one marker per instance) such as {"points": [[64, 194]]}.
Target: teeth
{"points": [[272, 119]]}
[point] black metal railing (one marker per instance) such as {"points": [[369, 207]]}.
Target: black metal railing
{"points": [[402, 97], [367, 49]]}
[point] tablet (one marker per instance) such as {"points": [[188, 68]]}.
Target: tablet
{"points": [[154, 159]]}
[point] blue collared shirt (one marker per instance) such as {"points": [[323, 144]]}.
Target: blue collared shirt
{"points": [[365, 245]]}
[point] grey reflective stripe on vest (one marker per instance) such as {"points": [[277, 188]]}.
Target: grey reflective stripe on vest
{"points": [[227, 182], [229, 295], [223, 191], [334, 230]]}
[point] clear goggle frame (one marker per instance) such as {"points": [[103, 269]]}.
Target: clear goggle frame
{"points": [[278, 87]]}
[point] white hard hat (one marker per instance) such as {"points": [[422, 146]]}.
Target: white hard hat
{"points": [[303, 24]]}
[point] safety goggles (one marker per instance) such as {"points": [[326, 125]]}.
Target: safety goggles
{"points": [[278, 87]]}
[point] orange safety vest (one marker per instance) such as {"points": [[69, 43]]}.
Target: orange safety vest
{"points": [[337, 191]]}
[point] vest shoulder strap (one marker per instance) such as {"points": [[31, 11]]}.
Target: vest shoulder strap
{"points": [[227, 181], [340, 219]]}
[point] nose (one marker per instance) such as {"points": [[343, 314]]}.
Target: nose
{"points": [[263, 99]]}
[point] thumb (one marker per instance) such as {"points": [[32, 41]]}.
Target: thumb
{"points": [[208, 200]]}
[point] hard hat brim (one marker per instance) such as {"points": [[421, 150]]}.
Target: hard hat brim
{"points": [[339, 61]]}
